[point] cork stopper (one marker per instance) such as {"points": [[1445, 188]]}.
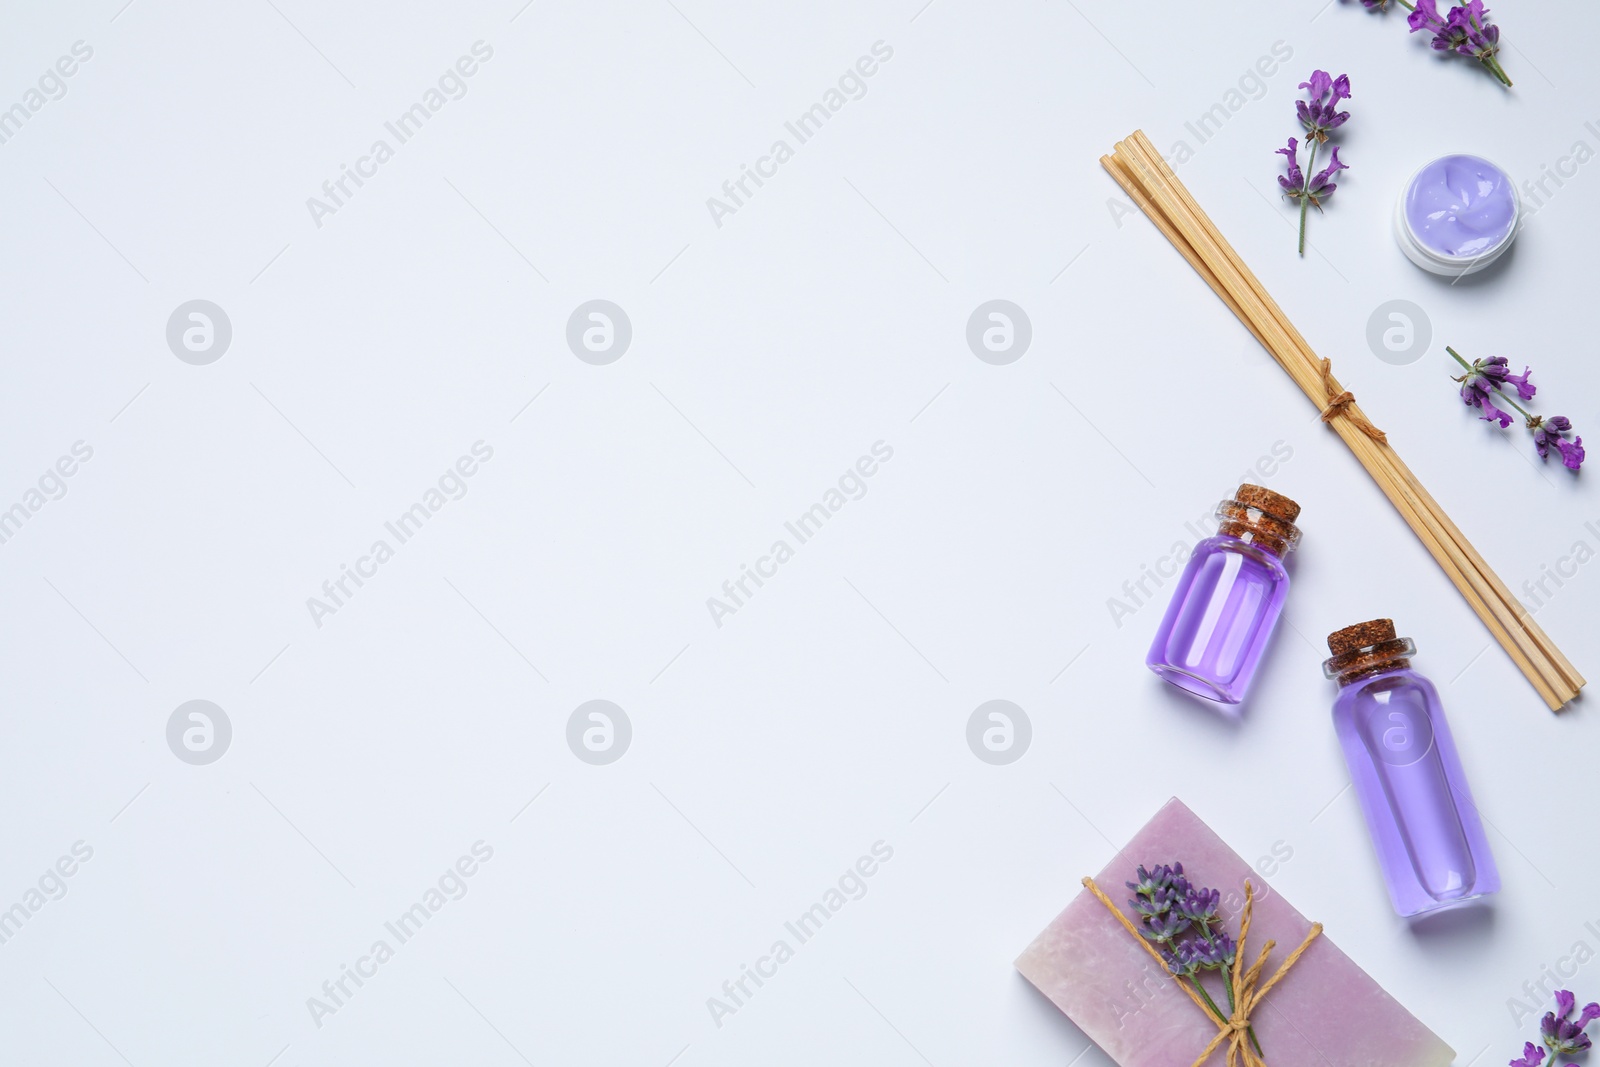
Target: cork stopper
{"points": [[1365, 649], [1261, 517], [1361, 635], [1275, 504]]}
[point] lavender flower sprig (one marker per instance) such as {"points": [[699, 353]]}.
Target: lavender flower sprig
{"points": [[1182, 920], [1320, 116], [1486, 380], [1562, 1034], [1466, 30]]}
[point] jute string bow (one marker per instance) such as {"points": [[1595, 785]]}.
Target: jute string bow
{"points": [[1234, 1031], [1339, 401]]}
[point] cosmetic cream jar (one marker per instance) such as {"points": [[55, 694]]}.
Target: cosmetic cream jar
{"points": [[1457, 215]]}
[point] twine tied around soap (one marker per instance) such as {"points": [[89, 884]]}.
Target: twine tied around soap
{"points": [[1339, 403], [1235, 1030]]}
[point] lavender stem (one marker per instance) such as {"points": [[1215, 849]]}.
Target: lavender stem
{"points": [[1305, 201]]}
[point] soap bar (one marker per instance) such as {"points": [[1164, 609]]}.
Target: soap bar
{"points": [[1326, 1010]]}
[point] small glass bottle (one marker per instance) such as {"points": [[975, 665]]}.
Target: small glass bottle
{"points": [[1228, 598], [1406, 773]]}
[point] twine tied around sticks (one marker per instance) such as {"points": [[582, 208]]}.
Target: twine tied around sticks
{"points": [[1339, 402], [1235, 1030]]}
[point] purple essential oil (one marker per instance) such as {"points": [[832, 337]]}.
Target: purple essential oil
{"points": [[1406, 772], [1228, 598]]}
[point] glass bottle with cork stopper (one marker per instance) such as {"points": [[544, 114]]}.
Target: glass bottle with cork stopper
{"points": [[1406, 772], [1228, 599]]}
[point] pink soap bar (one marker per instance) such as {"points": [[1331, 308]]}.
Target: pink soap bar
{"points": [[1326, 1010]]}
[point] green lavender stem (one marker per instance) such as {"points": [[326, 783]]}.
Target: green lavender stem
{"points": [[1195, 981], [1227, 987], [1497, 70], [1305, 200], [1514, 404]]}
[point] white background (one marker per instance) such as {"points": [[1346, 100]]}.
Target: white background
{"points": [[768, 354]]}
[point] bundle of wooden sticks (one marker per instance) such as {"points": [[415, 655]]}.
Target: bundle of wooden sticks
{"points": [[1145, 176]]}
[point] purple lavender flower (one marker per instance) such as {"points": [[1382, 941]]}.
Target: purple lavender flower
{"points": [[1532, 1056], [1294, 182], [1496, 370], [1320, 113], [1312, 193], [1525, 388], [1223, 950], [1479, 399], [1201, 954], [1164, 928], [1200, 906], [1483, 380], [1425, 16], [1150, 882], [1186, 961], [1157, 896], [1547, 434], [1487, 380], [1572, 454], [1564, 1036], [1322, 184], [1155, 903], [1466, 31]]}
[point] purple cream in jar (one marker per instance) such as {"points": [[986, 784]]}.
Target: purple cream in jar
{"points": [[1457, 215]]}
